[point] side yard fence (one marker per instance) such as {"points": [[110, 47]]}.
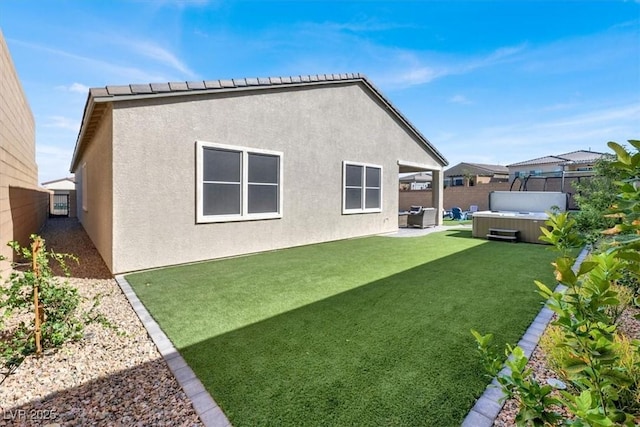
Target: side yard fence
{"points": [[478, 194]]}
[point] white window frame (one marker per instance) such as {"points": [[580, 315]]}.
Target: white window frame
{"points": [[85, 189], [364, 209], [244, 184]]}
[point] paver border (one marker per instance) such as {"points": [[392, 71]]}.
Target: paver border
{"points": [[490, 403], [207, 409]]}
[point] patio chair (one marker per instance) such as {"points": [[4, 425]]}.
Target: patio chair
{"points": [[415, 210], [425, 217], [458, 214]]}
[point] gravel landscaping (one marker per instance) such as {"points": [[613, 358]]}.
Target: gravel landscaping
{"points": [[628, 325], [113, 376]]}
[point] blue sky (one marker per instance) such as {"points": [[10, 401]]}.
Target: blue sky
{"points": [[485, 81]]}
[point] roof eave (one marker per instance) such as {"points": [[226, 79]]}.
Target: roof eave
{"points": [[406, 123], [83, 126], [96, 97]]}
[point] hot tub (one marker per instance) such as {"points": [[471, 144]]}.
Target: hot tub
{"points": [[527, 223]]}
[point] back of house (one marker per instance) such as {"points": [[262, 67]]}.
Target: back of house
{"points": [[182, 172]]}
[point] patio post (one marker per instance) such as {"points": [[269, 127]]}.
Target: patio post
{"points": [[437, 194]]}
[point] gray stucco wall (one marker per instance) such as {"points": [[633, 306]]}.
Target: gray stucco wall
{"points": [[154, 218], [97, 218]]}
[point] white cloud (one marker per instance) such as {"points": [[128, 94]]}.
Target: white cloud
{"points": [[61, 122], [526, 140], [75, 87], [114, 71], [596, 118], [417, 76], [181, 3], [79, 88], [364, 24], [53, 162], [415, 68], [460, 99], [159, 54]]}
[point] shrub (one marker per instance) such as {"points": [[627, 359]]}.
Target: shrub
{"points": [[57, 305], [600, 366]]}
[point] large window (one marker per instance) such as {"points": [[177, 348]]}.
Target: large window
{"points": [[237, 183], [361, 188]]}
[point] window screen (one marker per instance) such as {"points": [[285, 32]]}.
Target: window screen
{"points": [[238, 183], [362, 188]]}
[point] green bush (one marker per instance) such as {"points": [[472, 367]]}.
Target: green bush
{"points": [[59, 302], [601, 367]]}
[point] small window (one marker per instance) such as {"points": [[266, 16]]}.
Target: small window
{"points": [[237, 183], [362, 188]]}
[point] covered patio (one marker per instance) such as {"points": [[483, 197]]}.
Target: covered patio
{"points": [[436, 199]]}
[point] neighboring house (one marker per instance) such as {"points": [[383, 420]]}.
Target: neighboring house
{"points": [[416, 181], [468, 174], [23, 206], [63, 196], [575, 163], [180, 172]]}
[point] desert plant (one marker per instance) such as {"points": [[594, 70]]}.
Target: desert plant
{"points": [[536, 401], [53, 320]]}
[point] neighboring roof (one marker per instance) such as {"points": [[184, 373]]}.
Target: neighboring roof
{"points": [[60, 184], [579, 156], [99, 98], [69, 178], [481, 169], [417, 177]]}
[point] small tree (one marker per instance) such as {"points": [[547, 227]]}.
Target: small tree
{"points": [[595, 196], [44, 308]]}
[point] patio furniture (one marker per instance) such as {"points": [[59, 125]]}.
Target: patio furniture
{"points": [[402, 219], [423, 217], [458, 214]]}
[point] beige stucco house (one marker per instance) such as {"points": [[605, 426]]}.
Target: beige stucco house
{"points": [[23, 205], [575, 163], [469, 174], [181, 172]]}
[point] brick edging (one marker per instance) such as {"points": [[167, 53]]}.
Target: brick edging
{"points": [[489, 405], [207, 409]]}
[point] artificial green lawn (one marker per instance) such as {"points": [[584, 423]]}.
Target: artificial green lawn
{"points": [[446, 221], [371, 331]]}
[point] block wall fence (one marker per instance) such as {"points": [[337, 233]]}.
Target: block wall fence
{"points": [[23, 205], [478, 194]]}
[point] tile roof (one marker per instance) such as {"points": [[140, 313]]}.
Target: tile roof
{"points": [[579, 156], [174, 87], [475, 168], [417, 177], [99, 98], [69, 178]]}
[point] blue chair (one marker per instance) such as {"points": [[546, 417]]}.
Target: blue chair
{"points": [[458, 214]]}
